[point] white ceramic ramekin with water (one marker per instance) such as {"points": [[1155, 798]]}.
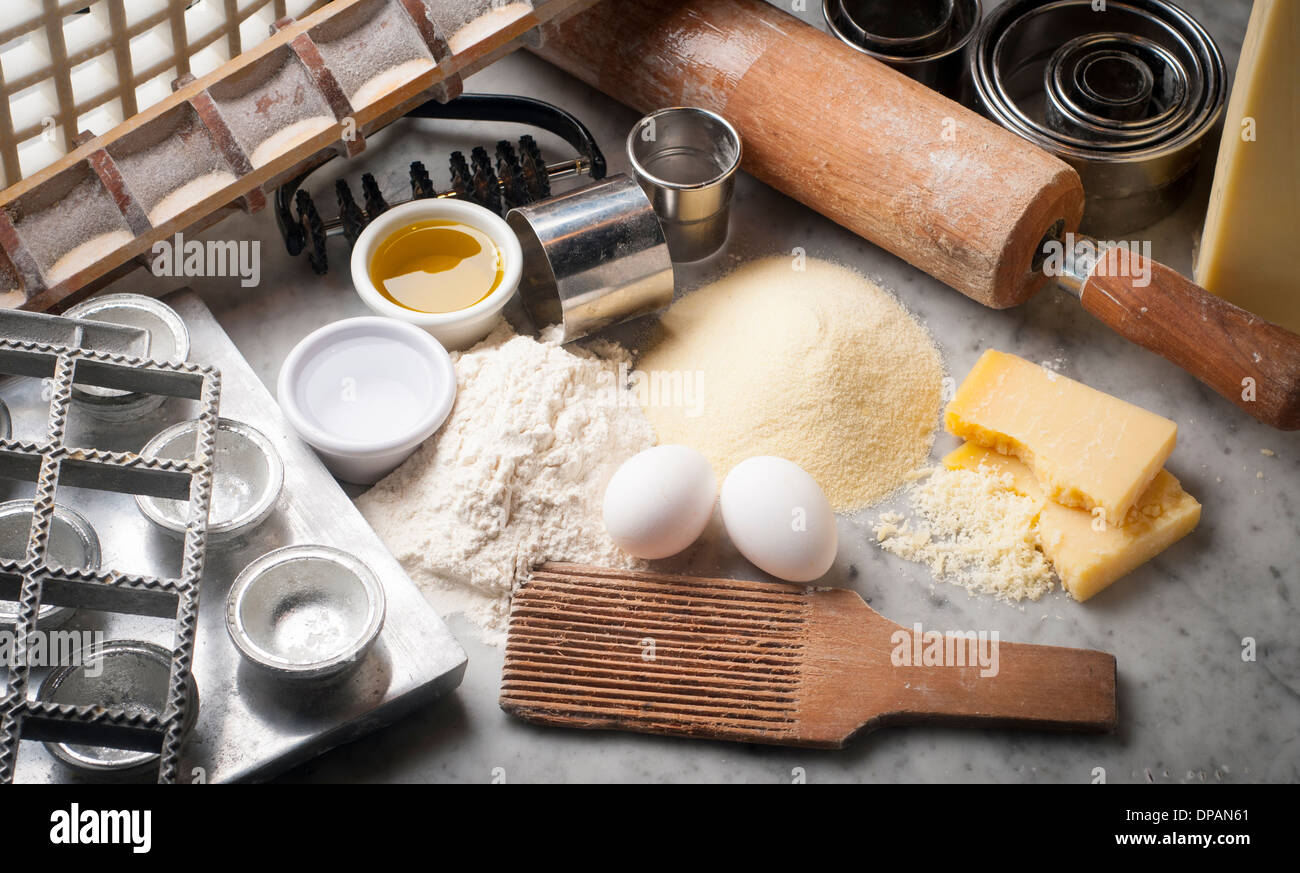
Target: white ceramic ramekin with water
{"points": [[365, 392], [464, 327]]}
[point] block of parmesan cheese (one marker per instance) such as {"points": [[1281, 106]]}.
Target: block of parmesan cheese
{"points": [[1087, 555], [1086, 448], [1247, 248]]}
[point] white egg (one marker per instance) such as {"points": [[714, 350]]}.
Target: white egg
{"points": [[660, 501], [779, 518]]}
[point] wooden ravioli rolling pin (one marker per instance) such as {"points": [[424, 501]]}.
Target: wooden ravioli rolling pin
{"points": [[952, 193]]}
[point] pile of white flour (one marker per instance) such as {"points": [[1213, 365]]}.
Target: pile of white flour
{"points": [[514, 478]]}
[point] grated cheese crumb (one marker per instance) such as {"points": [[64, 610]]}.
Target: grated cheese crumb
{"points": [[973, 530]]}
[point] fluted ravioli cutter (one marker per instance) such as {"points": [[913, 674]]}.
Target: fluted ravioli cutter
{"points": [[763, 662], [39, 579]]}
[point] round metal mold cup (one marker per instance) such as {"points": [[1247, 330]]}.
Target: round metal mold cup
{"points": [[169, 341], [463, 327], [247, 476], [305, 613], [73, 544], [592, 257], [6, 422], [686, 159], [127, 674], [925, 40]]}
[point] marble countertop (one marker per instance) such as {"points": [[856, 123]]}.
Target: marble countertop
{"points": [[1191, 709]]}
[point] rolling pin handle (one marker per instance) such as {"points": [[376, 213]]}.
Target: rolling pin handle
{"points": [[1253, 363]]}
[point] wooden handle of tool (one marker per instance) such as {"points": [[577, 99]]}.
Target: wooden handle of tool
{"points": [[917, 174], [1252, 362], [1041, 687], [862, 671]]}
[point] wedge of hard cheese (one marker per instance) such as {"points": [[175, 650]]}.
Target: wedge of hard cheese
{"points": [[1087, 554], [1247, 250], [1086, 448]]}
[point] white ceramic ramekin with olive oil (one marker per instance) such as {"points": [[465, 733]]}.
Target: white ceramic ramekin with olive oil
{"points": [[448, 266]]}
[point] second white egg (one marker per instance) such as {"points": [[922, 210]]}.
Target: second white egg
{"points": [[660, 501], [779, 518]]}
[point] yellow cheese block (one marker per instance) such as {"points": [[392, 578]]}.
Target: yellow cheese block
{"points": [[1247, 252], [1087, 556], [1086, 448]]}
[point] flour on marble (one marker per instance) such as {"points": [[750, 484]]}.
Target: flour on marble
{"points": [[514, 478]]}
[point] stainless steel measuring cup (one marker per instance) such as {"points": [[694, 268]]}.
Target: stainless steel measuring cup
{"points": [[686, 160], [592, 257]]}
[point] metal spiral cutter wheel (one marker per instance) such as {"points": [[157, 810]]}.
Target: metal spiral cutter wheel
{"points": [[516, 178], [32, 581], [1125, 94]]}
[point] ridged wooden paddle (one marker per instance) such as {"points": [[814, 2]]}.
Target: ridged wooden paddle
{"points": [[763, 663]]}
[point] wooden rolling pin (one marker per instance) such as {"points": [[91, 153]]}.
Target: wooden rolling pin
{"points": [[917, 174]]}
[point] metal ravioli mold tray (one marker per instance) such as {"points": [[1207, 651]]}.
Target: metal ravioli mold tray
{"points": [[247, 725], [53, 330], [54, 462]]}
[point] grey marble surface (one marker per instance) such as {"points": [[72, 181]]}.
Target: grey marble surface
{"points": [[1191, 709]]}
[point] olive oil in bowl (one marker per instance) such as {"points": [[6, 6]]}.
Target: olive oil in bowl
{"points": [[436, 266]]}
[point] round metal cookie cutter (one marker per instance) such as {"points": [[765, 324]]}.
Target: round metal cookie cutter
{"points": [[592, 257], [925, 40], [686, 159], [1126, 95]]}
